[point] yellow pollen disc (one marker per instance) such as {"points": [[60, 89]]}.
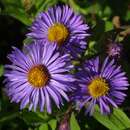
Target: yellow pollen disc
{"points": [[38, 76], [58, 33], [98, 87]]}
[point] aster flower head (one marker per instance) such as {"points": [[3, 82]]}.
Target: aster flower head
{"points": [[114, 49], [62, 26], [38, 76], [101, 84]]}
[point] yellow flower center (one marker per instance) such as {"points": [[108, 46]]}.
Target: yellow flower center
{"points": [[98, 87], [58, 33], [38, 76]]}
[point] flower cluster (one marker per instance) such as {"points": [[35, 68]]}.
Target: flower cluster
{"points": [[114, 49], [40, 74]]}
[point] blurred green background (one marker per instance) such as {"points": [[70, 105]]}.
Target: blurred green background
{"points": [[108, 20]]}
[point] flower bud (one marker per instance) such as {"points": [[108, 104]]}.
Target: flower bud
{"points": [[64, 124]]}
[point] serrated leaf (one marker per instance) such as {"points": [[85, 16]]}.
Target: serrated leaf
{"points": [[118, 120], [73, 123]]}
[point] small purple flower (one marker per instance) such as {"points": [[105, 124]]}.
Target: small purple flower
{"points": [[101, 84], [62, 26], [114, 49], [37, 76]]}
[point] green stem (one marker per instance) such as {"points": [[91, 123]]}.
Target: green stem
{"points": [[9, 117]]}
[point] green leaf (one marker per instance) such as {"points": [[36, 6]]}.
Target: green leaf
{"points": [[1, 70], [20, 15], [45, 5], [108, 26], [73, 123], [52, 124], [107, 11], [91, 49], [43, 127], [8, 116], [16, 10], [34, 117], [27, 41], [11, 2], [39, 3], [118, 120], [122, 117], [127, 17], [77, 8], [31, 118]]}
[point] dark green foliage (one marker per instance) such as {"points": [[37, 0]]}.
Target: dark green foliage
{"points": [[17, 15]]}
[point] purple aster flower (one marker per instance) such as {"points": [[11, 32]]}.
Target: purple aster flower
{"points": [[37, 75], [114, 49], [62, 26], [100, 84]]}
